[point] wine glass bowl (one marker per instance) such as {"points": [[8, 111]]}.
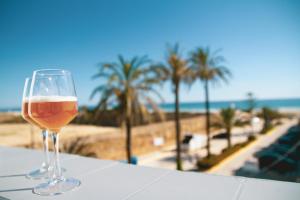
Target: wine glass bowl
{"points": [[53, 112]]}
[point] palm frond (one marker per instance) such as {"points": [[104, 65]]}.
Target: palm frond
{"points": [[150, 89], [207, 66], [98, 89], [111, 68], [155, 108], [126, 82]]}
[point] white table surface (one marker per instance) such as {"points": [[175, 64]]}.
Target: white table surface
{"points": [[111, 180]]}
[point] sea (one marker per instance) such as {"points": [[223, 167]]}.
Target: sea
{"points": [[279, 104]]}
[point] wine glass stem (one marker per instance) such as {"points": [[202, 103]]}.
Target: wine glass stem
{"points": [[57, 169], [46, 148]]}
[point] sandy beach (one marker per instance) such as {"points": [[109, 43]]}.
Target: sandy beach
{"points": [[16, 134], [101, 141]]}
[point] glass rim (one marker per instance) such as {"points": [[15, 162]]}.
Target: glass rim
{"points": [[28, 78], [26, 89], [59, 71]]}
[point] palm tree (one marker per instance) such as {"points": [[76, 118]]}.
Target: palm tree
{"points": [[228, 120], [177, 71], [126, 88], [251, 102], [207, 67], [268, 116]]}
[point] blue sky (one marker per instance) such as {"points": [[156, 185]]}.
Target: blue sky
{"points": [[260, 40]]}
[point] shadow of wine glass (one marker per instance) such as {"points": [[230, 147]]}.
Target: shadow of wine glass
{"points": [[13, 189], [12, 175], [16, 190], [3, 198]]}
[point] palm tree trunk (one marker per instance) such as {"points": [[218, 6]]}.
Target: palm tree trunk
{"points": [[128, 127], [177, 126], [228, 130], [128, 139], [207, 117]]}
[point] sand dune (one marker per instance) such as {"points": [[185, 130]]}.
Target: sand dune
{"points": [[16, 134]]}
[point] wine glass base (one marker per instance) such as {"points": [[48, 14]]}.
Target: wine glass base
{"points": [[38, 174], [56, 187], [41, 173]]}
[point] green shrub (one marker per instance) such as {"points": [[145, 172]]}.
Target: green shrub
{"points": [[251, 138], [268, 116], [206, 163], [267, 127], [240, 123]]}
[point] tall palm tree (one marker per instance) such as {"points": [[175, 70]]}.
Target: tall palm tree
{"points": [[126, 87], [207, 67], [228, 121], [177, 71]]}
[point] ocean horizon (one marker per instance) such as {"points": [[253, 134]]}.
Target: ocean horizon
{"points": [[286, 103]]}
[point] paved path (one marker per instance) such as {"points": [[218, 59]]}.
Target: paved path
{"points": [[166, 157], [246, 155]]}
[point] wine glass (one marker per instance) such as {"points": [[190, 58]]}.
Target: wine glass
{"points": [[53, 104], [42, 172]]}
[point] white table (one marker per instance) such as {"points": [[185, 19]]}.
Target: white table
{"points": [[110, 180]]}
